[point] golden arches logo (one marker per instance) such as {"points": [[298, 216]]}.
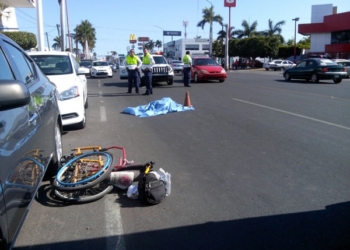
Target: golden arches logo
{"points": [[132, 38]]}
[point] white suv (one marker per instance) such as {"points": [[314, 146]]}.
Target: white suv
{"points": [[161, 71]]}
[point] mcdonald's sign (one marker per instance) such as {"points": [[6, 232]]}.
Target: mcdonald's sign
{"points": [[132, 38]]}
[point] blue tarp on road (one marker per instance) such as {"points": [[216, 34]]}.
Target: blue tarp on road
{"points": [[160, 107]]}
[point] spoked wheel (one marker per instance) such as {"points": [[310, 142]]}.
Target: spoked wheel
{"points": [[287, 76], [314, 78], [86, 195], [84, 171]]}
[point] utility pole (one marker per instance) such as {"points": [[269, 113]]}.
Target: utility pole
{"points": [[185, 23], [211, 34], [48, 44]]}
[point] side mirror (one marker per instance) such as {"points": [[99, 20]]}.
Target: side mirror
{"points": [[13, 94]]}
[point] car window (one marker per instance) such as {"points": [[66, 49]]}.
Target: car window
{"points": [[301, 64], [85, 64], [326, 62], [24, 65], [159, 60], [75, 63], [53, 64], [5, 72]]}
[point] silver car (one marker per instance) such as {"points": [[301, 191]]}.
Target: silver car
{"points": [[30, 136], [345, 63], [177, 65]]}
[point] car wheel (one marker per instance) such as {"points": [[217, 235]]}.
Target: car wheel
{"points": [[86, 103], [170, 82], [221, 80], [196, 80], [337, 80], [55, 162], [82, 124], [266, 69], [287, 76], [314, 78]]}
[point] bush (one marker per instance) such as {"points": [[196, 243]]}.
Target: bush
{"points": [[26, 40]]}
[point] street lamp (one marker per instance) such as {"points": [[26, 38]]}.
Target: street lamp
{"points": [[295, 34], [163, 34], [210, 34]]}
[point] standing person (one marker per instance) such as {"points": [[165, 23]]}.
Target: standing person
{"points": [[187, 60], [132, 64], [147, 64]]}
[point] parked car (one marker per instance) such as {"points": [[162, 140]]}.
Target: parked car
{"points": [[279, 65], [345, 63], [316, 69], [113, 66], [101, 68], [63, 70], [257, 64], [206, 68], [177, 65], [86, 65], [30, 136]]}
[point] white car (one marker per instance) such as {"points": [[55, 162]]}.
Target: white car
{"points": [[63, 70], [100, 68], [278, 65]]}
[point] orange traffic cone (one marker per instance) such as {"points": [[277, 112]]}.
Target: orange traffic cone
{"points": [[187, 100]]}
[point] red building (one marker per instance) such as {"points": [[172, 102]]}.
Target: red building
{"points": [[329, 31]]}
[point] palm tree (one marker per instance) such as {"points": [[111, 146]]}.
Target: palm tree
{"points": [[210, 17], [274, 30], [57, 44], [150, 45], [222, 34], [158, 44], [248, 30], [85, 32]]}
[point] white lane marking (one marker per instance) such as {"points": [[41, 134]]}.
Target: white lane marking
{"points": [[100, 93], [103, 116], [290, 113], [114, 227]]}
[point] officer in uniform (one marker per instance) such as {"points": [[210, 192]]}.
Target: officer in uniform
{"points": [[187, 60], [147, 63], [132, 64]]}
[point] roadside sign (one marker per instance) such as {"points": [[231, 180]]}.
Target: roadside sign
{"points": [[143, 39], [230, 3], [171, 33], [132, 38]]}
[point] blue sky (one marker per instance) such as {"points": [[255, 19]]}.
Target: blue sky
{"points": [[115, 20]]}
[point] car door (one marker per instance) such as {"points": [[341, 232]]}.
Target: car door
{"points": [[23, 152], [298, 71]]}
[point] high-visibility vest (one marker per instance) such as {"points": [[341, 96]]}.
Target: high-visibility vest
{"points": [[146, 59], [131, 60], [185, 59]]}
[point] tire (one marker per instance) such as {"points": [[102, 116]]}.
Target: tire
{"points": [[337, 80], [86, 195], [314, 78], [90, 176], [170, 82], [266, 69], [82, 124], [221, 80], [287, 76], [196, 80], [86, 103], [55, 162]]}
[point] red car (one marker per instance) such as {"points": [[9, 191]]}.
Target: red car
{"points": [[206, 68]]}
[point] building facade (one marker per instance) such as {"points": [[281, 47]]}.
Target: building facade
{"points": [[329, 31]]}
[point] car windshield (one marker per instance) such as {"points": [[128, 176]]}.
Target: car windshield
{"points": [[85, 64], [206, 62], [159, 60], [101, 63], [176, 62], [53, 64]]}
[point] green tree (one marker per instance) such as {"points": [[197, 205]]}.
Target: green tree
{"points": [[209, 17], [274, 30], [57, 43], [150, 45], [247, 31], [158, 44], [85, 32]]}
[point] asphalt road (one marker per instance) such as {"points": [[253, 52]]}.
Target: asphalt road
{"points": [[259, 164]]}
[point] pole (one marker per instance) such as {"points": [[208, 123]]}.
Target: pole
{"points": [[48, 44], [210, 34], [227, 65], [163, 35], [295, 34]]}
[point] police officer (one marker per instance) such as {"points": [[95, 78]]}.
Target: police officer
{"points": [[147, 64], [187, 60], [132, 64]]}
